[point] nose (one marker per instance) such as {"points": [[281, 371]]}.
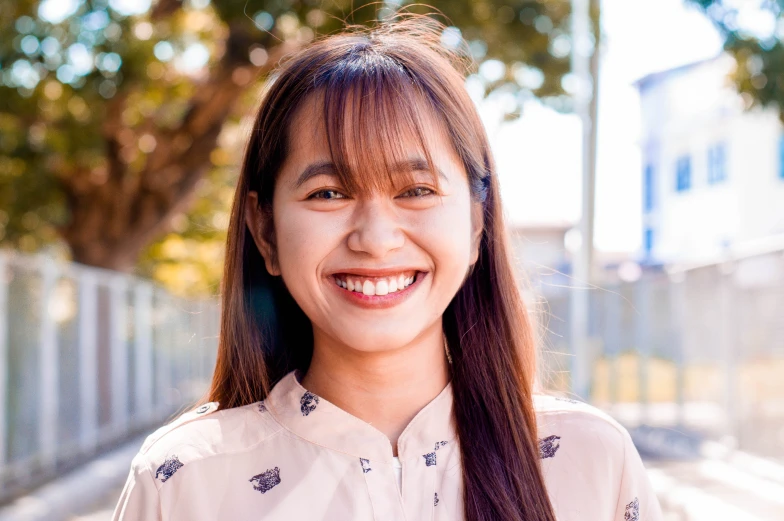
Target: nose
{"points": [[376, 228]]}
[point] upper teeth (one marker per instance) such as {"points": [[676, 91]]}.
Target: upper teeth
{"points": [[378, 286]]}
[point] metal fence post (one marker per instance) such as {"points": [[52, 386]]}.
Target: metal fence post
{"points": [[643, 341], [161, 351], [48, 367], [4, 279], [613, 340], [143, 351], [676, 304], [210, 349], [185, 355], [88, 363], [198, 352], [118, 328], [729, 346]]}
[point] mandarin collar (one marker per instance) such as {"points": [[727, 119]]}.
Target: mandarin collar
{"points": [[318, 421]]}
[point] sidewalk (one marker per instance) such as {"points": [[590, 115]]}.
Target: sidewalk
{"points": [[722, 485], [89, 490], [100, 511]]}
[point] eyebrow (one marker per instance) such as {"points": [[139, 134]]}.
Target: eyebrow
{"points": [[416, 164]]}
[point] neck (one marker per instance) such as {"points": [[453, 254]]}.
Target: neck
{"points": [[385, 389]]}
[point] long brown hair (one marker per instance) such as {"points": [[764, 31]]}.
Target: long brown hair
{"points": [[375, 77]]}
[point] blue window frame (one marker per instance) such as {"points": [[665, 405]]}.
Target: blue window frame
{"points": [[648, 241], [717, 163], [683, 174], [649, 184], [781, 157]]}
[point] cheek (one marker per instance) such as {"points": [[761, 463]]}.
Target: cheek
{"points": [[445, 234], [302, 243]]}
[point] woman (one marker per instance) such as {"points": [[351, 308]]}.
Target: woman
{"points": [[375, 359]]}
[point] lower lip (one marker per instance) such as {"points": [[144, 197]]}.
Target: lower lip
{"points": [[378, 301]]}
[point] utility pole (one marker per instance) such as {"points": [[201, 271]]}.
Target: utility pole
{"points": [[585, 68]]}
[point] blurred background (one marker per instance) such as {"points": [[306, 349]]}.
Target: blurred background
{"points": [[640, 150]]}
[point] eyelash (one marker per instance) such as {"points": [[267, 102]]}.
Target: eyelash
{"points": [[423, 188], [320, 194]]}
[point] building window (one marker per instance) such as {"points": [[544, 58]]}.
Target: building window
{"points": [[648, 241], [683, 174], [781, 157], [648, 188], [717, 164]]}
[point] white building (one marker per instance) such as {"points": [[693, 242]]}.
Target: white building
{"points": [[713, 174]]}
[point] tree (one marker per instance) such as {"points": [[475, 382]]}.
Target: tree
{"points": [[757, 48], [116, 115]]}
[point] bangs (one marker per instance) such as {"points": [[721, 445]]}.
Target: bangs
{"points": [[377, 122]]}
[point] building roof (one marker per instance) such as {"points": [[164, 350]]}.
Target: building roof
{"points": [[658, 77]]}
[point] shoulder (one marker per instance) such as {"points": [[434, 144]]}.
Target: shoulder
{"points": [[203, 432], [573, 414], [590, 463], [580, 429]]}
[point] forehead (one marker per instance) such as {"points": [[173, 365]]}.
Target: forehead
{"points": [[310, 122], [366, 137]]}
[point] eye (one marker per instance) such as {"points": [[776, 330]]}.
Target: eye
{"points": [[327, 194], [417, 191]]}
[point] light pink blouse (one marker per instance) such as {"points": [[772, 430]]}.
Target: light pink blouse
{"points": [[296, 456]]}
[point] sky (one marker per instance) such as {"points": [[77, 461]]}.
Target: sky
{"points": [[538, 157]]}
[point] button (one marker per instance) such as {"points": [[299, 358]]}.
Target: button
{"points": [[203, 409]]}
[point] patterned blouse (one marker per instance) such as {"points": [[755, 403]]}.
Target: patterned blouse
{"points": [[297, 456]]}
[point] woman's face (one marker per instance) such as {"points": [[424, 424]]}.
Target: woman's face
{"points": [[372, 272]]}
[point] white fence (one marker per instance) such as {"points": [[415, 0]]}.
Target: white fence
{"points": [[89, 357], [697, 349]]}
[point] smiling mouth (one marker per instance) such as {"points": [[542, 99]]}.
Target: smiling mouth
{"points": [[380, 286]]}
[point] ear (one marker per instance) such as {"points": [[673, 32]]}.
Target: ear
{"points": [[259, 223], [477, 229]]}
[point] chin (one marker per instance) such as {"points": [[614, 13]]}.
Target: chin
{"points": [[373, 341]]}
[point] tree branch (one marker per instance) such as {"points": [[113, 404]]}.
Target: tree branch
{"points": [[116, 219], [164, 9]]}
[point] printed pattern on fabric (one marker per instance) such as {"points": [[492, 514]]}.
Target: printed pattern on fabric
{"points": [[238, 458], [167, 470], [632, 511], [549, 446], [567, 400], [308, 403], [430, 458], [266, 480]]}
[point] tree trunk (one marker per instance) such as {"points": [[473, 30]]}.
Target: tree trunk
{"points": [[116, 212]]}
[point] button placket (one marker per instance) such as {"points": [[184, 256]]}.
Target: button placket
{"points": [[419, 487], [382, 489]]}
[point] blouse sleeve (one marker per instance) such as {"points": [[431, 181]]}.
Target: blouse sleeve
{"points": [[139, 500], [636, 499]]}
